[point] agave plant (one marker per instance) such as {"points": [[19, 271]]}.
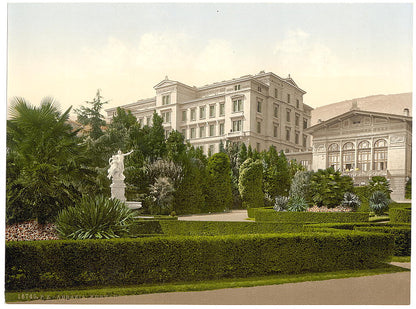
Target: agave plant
{"points": [[280, 203], [351, 200], [95, 218], [379, 202], [297, 203]]}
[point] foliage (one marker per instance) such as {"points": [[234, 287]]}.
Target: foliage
{"points": [[379, 202], [280, 203], [276, 173], [162, 194], [165, 169], [218, 187], [379, 183], [91, 116], [400, 215], [297, 203], [175, 146], [250, 183], [408, 189], [300, 186], [46, 167], [328, 187], [65, 263], [94, 218], [351, 200], [263, 214]]}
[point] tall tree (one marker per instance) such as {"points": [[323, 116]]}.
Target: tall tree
{"points": [[250, 183], [91, 116]]}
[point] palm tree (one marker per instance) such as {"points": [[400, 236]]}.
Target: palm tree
{"points": [[44, 161]]}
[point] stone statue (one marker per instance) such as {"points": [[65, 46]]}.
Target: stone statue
{"points": [[117, 166]]}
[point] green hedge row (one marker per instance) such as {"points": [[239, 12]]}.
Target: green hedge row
{"points": [[210, 228], [251, 212], [400, 205], [65, 264], [402, 237], [310, 217], [400, 215]]}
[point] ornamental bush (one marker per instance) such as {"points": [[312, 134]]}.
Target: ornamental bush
{"points": [[250, 184], [379, 202], [95, 218], [297, 203], [351, 200], [280, 203], [66, 263]]}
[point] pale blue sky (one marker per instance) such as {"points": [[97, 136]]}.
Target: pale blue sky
{"points": [[333, 51]]}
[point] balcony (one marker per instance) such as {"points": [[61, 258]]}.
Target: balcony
{"points": [[356, 173]]}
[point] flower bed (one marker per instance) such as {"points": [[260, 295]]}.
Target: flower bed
{"points": [[30, 230], [325, 209]]}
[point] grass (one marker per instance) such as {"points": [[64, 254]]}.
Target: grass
{"points": [[195, 286]]}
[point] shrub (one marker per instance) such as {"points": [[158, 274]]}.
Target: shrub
{"points": [[281, 203], [379, 183], [297, 203], [309, 217], [162, 194], [65, 263], [300, 186], [379, 202], [250, 183], [400, 215], [351, 201], [94, 218]]}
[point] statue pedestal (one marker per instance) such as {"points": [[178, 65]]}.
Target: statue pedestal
{"points": [[134, 205], [117, 189]]}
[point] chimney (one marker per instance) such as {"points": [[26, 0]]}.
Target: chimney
{"points": [[354, 105], [406, 112]]}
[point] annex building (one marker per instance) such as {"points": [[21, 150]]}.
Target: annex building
{"points": [[260, 110], [362, 138]]}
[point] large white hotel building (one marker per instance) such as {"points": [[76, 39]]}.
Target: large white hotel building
{"points": [[260, 110]]}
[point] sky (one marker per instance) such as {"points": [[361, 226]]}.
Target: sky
{"points": [[333, 51]]}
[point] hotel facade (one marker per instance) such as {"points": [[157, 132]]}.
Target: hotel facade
{"points": [[260, 110]]}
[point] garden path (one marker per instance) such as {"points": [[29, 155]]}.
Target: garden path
{"points": [[234, 215]]}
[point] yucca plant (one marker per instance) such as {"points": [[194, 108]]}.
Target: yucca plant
{"points": [[94, 218], [351, 200], [280, 203], [297, 203], [379, 202]]}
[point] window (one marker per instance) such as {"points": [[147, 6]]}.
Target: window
{"points": [[184, 133], [297, 103], [165, 99], [364, 156], [258, 147], [297, 120], [288, 98], [258, 127], [288, 134], [275, 93], [237, 126], [141, 122], [167, 133], [288, 111], [380, 155], [211, 149], [237, 105], [183, 115], [305, 139], [211, 130], [148, 120], [202, 112], [212, 111], [202, 131], [259, 106], [296, 137], [276, 111], [348, 156], [333, 156], [259, 88], [193, 135], [193, 114], [221, 129], [237, 87], [222, 109], [166, 117], [275, 130], [305, 123]]}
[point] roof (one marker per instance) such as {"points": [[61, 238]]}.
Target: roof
{"points": [[352, 113]]}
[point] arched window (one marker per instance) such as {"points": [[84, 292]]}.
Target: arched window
{"points": [[364, 156], [380, 155], [348, 154], [333, 156]]}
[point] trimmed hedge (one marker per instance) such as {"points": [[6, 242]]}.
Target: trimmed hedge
{"points": [[66, 263], [402, 237], [400, 215], [251, 212], [400, 205], [309, 217], [210, 228]]}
